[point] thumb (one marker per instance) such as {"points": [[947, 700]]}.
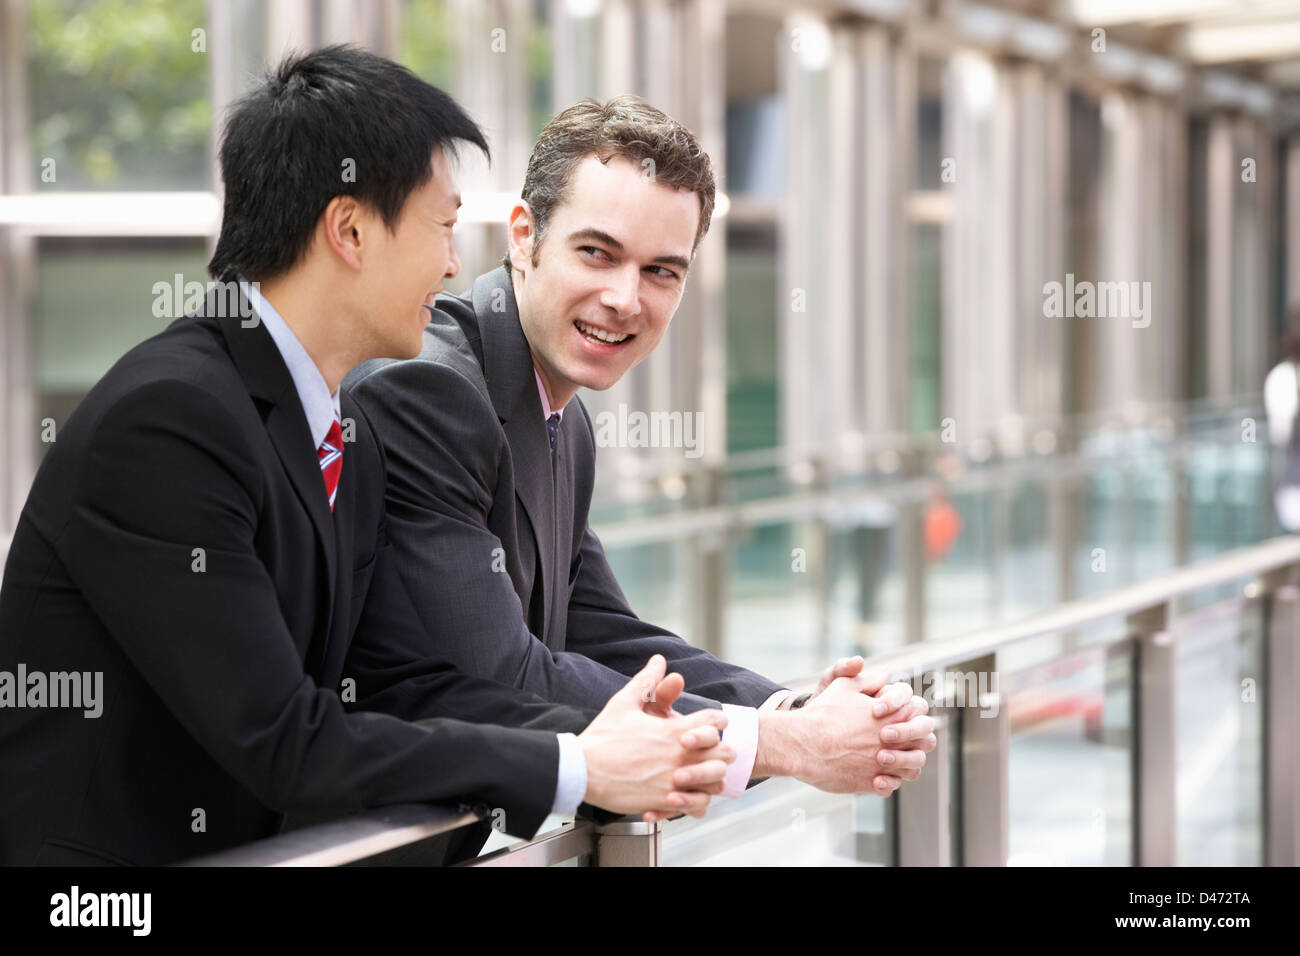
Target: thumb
{"points": [[872, 682], [849, 666], [640, 689], [665, 695]]}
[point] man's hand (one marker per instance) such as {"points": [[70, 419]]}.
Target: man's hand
{"points": [[870, 681], [845, 741], [642, 758]]}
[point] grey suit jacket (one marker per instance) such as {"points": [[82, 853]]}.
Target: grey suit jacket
{"points": [[492, 540]]}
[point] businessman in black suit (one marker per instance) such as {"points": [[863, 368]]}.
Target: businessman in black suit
{"points": [[207, 536], [491, 458]]}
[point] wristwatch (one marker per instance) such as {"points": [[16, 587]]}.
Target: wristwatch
{"points": [[800, 701]]}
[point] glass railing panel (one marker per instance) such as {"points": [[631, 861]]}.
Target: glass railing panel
{"points": [[959, 592], [774, 577], [1219, 726], [867, 599], [1104, 496], [655, 579], [780, 822], [1029, 580], [1070, 760], [1150, 524]]}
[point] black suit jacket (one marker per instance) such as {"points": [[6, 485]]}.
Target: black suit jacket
{"points": [[492, 538], [178, 539]]}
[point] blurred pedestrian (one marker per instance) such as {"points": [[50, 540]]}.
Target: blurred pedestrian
{"points": [[1281, 401]]}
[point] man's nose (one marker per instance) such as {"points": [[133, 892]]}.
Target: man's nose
{"points": [[623, 291], [453, 264]]}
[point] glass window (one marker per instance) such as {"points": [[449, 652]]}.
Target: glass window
{"points": [[94, 301], [751, 289]]}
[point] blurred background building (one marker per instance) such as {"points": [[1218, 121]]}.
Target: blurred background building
{"points": [[899, 440]]}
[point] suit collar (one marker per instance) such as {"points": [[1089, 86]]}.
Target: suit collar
{"points": [[507, 359], [320, 407], [264, 372]]}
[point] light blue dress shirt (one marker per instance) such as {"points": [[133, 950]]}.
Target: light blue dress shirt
{"points": [[322, 408]]}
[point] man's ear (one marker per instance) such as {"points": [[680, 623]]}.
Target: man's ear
{"points": [[522, 237], [343, 226]]}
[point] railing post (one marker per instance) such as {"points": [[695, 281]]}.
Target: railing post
{"points": [[1154, 766], [985, 752], [923, 837], [709, 556], [1282, 721], [628, 843], [911, 550]]}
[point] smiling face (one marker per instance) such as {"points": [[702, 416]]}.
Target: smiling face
{"points": [[408, 267], [609, 275]]}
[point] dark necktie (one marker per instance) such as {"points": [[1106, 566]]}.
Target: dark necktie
{"points": [[553, 429]]}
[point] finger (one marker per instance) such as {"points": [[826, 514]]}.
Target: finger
{"points": [[701, 738], [918, 728], [884, 784], [658, 816], [709, 716], [687, 802], [722, 754], [902, 715], [640, 689], [700, 776], [665, 694], [892, 698], [926, 744], [920, 706], [897, 760], [873, 680]]}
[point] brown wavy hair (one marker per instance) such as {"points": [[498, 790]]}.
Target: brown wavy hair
{"points": [[625, 126]]}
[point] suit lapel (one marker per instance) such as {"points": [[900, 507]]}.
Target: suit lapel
{"points": [[508, 368], [268, 380]]}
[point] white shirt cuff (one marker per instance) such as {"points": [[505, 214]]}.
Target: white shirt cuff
{"points": [[776, 700], [741, 734], [571, 780]]}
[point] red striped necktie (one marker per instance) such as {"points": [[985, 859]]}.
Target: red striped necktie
{"points": [[331, 459]]}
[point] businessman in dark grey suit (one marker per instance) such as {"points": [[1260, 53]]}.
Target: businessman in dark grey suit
{"points": [[207, 538], [491, 458]]}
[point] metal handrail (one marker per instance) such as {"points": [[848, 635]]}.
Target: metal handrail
{"points": [[347, 840], [1250, 561]]}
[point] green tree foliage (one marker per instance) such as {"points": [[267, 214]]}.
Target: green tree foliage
{"points": [[119, 95]]}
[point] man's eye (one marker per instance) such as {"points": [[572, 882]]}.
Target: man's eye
{"points": [[592, 251], [664, 273]]}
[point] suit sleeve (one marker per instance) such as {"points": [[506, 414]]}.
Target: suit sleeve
{"points": [[603, 626], [400, 672], [162, 542], [442, 444]]}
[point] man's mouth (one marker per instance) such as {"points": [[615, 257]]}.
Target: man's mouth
{"points": [[601, 336]]}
